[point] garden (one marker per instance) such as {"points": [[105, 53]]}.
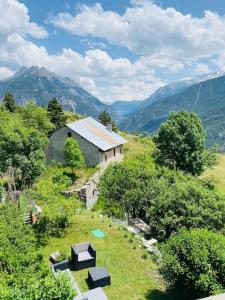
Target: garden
{"points": [[119, 251]]}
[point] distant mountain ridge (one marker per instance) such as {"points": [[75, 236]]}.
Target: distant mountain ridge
{"points": [[125, 108], [177, 87], [207, 98], [41, 85]]}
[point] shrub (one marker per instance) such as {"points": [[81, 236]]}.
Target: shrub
{"points": [[195, 260], [73, 155], [24, 274], [177, 201]]}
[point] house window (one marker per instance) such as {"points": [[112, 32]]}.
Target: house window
{"points": [[114, 152], [121, 151], [105, 157], [69, 134]]}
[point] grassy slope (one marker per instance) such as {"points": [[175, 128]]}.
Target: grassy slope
{"points": [[217, 174], [130, 273], [137, 144]]}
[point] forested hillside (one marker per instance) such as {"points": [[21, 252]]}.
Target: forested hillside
{"points": [[205, 98], [39, 85]]}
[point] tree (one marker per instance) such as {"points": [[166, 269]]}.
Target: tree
{"points": [[55, 113], [122, 187], [36, 117], [73, 155], [9, 102], [22, 149], [195, 261], [181, 143], [179, 201], [105, 118], [166, 199]]}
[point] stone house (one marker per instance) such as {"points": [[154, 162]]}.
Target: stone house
{"points": [[98, 143]]}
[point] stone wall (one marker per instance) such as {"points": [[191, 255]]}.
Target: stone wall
{"points": [[88, 193]]}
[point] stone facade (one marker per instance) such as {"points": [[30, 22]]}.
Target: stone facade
{"points": [[92, 154]]}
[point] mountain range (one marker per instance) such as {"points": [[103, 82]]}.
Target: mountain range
{"points": [[123, 109], [41, 85], [204, 95]]}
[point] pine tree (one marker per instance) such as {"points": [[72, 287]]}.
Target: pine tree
{"points": [[55, 113], [105, 118], [9, 102]]}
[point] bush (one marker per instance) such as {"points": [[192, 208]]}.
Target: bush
{"points": [[195, 261], [177, 201], [24, 274], [57, 209], [116, 184], [73, 155], [166, 200]]}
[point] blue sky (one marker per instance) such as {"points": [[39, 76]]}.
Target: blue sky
{"points": [[116, 49]]}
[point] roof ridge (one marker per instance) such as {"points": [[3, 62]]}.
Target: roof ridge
{"points": [[96, 133]]}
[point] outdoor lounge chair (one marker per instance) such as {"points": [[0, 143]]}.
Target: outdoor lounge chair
{"points": [[83, 256], [61, 266]]}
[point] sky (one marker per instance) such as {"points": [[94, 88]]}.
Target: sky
{"points": [[115, 49]]}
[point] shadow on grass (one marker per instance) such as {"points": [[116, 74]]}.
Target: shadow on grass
{"points": [[167, 295]]}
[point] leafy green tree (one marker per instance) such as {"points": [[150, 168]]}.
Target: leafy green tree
{"points": [[55, 113], [195, 261], [178, 201], [105, 118], [73, 155], [181, 143], [121, 181], [23, 149], [167, 200], [36, 117], [9, 102]]}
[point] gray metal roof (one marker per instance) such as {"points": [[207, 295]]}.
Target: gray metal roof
{"points": [[97, 134]]}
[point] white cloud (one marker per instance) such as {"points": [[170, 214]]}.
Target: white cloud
{"points": [[165, 40], [5, 72], [146, 29], [15, 19], [219, 61], [96, 71], [105, 77], [202, 68]]}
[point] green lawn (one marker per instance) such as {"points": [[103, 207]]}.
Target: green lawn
{"points": [[132, 276]]}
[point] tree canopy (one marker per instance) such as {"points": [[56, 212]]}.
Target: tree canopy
{"points": [[21, 148], [165, 199], [105, 118], [9, 102], [195, 261], [181, 143], [55, 113]]}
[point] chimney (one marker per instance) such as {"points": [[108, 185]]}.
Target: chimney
{"points": [[109, 126]]}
